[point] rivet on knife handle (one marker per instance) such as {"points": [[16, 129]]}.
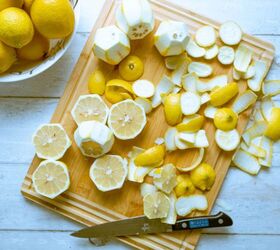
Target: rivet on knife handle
{"points": [[219, 220]]}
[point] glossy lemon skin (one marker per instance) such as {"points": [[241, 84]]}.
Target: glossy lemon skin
{"points": [[273, 127], [7, 57], [131, 68], [225, 119], [172, 109], [97, 83], [151, 156], [191, 126], [10, 3]]}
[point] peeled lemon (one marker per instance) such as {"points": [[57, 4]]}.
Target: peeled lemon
{"points": [[108, 172], [273, 131], [36, 49], [172, 109], [203, 176], [96, 83], [53, 19], [225, 119], [10, 3], [184, 185], [16, 28], [152, 156], [131, 68], [51, 178], [127, 119], [7, 57]]}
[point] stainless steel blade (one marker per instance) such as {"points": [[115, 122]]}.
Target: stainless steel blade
{"points": [[133, 226]]}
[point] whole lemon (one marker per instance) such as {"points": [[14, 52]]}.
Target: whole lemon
{"points": [[10, 3], [36, 49], [53, 18], [27, 5], [7, 57], [16, 28]]}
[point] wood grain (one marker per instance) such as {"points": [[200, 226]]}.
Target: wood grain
{"points": [[83, 202]]}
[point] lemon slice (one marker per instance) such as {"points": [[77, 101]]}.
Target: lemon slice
{"points": [[127, 119], [90, 108], [166, 180], [51, 178], [143, 88], [226, 55], [156, 205], [50, 141], [190, 103], [205, 36], [108, 172], [227, 140]]}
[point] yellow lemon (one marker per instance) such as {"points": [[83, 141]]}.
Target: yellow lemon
{"points": [[273, 129], [27, 5], [16, 28], [152, 156], [53, 19], [192, 124], [172, 109], [10, 3], [36, 49], [203, 176], [184, 185], [7, 57], [222, 95], [96, 83], [225, 119], [131, 68]]}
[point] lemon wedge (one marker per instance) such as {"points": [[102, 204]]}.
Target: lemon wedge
{"points": [[51, 141], [156, 205], [90, 108], [51, 178], [166, 180], [108, 172], [127, 119], [151, 157]]}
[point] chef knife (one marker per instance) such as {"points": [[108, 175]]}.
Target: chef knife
{"points": [[143, 225]]}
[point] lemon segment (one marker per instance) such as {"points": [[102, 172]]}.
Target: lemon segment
{"points": [[222, 95], [151, 156], [51, 141], [131, 68], [90, 108], [156, 205], [172, 109], [184, 185], [166, 180], [191, 124], [96, 83], [7, 57], [51, 178], [127, 119], [108, 172], [272, 131], [225, 119]]}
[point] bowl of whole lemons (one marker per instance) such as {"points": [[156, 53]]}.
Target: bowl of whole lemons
{"points": [[34, 35]]}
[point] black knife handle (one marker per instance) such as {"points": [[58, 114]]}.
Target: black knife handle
{"points": [[219, 220]]}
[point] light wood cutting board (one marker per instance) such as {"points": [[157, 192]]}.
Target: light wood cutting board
{"points": [[83, 202]]}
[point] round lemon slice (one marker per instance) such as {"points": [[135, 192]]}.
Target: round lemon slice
{"points": [[90, 108], [108, 172], [127, 119], [51, 178], [156, 205], [51, 141], [227, 140]]}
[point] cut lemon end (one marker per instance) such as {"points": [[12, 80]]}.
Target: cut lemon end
{"points": [[225, 119], [227, 140], [131, 68]]}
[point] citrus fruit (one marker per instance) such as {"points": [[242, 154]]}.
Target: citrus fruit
{"points": [[131, 68], [7, 57], [90, 108], [225, 119], [108, 172], [53, 19], [172, 109], [127, 119], [227, 140], [51, 141], [222, 95], [36, 49], [156, 205], [51, 178], [16, 28], [96, 83], [143, 88], [151, 156], [191, 124], [94, 138], [166, 179], [184, 185], [203, 176], [10, 3], [27, 5], [145, 103], [273, 131]]}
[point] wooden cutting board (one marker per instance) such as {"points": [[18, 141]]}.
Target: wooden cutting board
{"points": [[83, 202]]}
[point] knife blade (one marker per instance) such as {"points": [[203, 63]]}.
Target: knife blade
{"points": [[142, 225]]}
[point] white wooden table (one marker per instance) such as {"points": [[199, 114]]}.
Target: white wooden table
{"points": [[255, 201]]}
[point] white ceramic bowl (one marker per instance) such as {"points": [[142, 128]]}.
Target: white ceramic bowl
{"points": [[57, 49]]}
